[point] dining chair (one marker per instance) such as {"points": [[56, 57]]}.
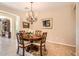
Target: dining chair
{"points": [[20, 42], [38, 32], [42, 42]]}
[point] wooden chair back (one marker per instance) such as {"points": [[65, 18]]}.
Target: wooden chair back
{"points": [[38, 33], [44, 35], [19, 38]]}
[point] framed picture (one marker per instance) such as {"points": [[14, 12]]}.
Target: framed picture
{"points": [[47, 23], [26, 25]]}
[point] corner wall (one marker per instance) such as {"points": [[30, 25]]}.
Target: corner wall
{"points": [[77, 29]]}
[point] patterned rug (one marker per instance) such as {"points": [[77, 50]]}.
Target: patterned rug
{"points": [[33, 53]]}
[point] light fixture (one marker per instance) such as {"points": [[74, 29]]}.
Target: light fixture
{"points": [[31, 16]]}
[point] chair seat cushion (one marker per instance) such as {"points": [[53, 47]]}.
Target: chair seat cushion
{"points": [[38, 44], [25, 44], [21, 46]]}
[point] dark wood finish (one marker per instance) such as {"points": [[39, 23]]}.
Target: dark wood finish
{"points": [[41, 48], [20, 43], [31, 39], [42, 42]]}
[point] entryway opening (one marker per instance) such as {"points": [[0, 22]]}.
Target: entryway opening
{"points": [[9, 24], [5, 30]]}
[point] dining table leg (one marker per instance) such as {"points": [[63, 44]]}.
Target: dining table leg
{"points": [[31, 46]]}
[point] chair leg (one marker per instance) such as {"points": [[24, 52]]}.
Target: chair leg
{"points": [[44, 48], [40, 50], [17, 50]]}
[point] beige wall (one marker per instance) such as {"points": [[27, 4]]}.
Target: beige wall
{"points": [[63, 25], [77, 28], [63, 31]]}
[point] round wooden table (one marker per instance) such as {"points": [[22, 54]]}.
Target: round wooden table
{"points": [[31, 39]]}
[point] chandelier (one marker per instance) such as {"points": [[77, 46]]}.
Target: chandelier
{"points": [[31, 16]]}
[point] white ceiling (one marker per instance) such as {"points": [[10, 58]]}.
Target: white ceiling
{"points": [[37, 6]]}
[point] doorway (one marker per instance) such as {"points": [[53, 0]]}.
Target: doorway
{"points": [[5, 30], [13, 21]]}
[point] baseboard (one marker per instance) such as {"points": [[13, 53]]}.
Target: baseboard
{"points": [[60, 43]]}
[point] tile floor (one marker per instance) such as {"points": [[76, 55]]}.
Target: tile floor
{"points": [[8, 47]]}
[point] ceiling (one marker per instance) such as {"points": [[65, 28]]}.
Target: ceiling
{"points": [[37, 6]]}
